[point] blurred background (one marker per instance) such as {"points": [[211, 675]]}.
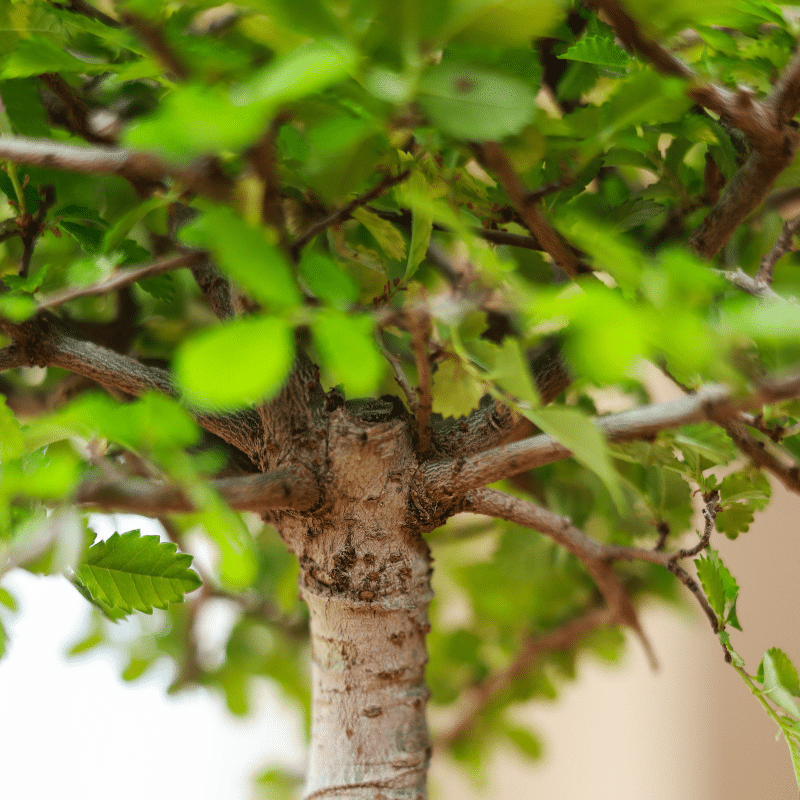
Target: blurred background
{"points": [[73, 728]]}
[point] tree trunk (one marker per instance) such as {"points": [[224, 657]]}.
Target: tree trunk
{"points": [[365, 575]]}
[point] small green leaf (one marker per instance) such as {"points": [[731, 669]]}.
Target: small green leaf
{"points": [[416, 188], [599, 50], [587, 443], [474, 103], [133, 572], [779, 678], [386, 235], [298, 73], [238, 364], [527, 744], [348, 349], [719, 585], [327, 280], [246, 254], [35, 55]]}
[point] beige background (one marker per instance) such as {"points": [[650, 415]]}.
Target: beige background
{"points": [[690, 730]]}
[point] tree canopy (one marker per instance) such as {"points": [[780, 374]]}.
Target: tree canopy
{"points": [[455, 228]]}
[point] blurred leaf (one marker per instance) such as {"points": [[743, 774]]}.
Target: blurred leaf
{"points": [[238, 364], [474, 103], [719, 585], [246, 254]]}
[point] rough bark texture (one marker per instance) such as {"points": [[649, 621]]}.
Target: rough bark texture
{"points": [[365, 575]]}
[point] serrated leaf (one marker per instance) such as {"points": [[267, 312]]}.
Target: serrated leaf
{"points": [[719, 585], [416, 187], [598, 50], [386, 235], [474, 103], [130, 572]]}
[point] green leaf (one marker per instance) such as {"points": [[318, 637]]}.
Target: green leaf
{"points": [[598, 50], [237, 364], [303, 71], [719, 585], [779, 678], [12, 444], [386, 235], [421, 222], [503, 22], [35, 55], [327, 280], [587, 443], [131, 572], [524, 741], [347, 346], [474, 103], [246, 254]]}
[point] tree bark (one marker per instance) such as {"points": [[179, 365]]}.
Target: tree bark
{"points": [[365, 575]]}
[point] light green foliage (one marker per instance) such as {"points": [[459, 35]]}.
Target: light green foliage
{"points": [[238, 364], [348, 94], [130, 572]]}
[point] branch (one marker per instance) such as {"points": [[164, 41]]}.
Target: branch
{"points": [[135, 166], [12, 357], [528, 656], [591, 554], [419, 326], [121, 278], [75, 111], [344, 212], [782, 246], [271, 491], [155, 42], [495, 159], [403, 218], [46, 342], [766, 124], [453, 477]]}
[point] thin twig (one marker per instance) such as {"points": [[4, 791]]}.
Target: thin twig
{"points": [[204, 178], [399, 374], [782, 246], [121, 278], [527, 657], [264, 162], [154, 40], [344, 212], [75, 110], [591, 554], [403, 218], [495, 159]]}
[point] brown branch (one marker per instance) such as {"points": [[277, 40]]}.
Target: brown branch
{"points": [[782, 246], [591, 554], [121, 278], [264, 162], [154, 40], [742, 195], [88, 10], [454, 477], [344, 212], [76, 112], [494, 158], [399, 374], [787, 473], [215, 287], [527, 657], [11, 357], [46, 342], [203, 177], [262, 492]]}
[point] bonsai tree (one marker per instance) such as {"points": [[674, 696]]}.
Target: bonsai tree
{"points": [[337, 287]]}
